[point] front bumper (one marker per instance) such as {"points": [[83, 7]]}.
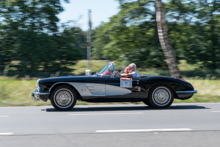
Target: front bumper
{"points": [[185, 94], [37, 96]]}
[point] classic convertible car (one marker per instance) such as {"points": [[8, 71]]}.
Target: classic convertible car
{"points": [[107, 86]]}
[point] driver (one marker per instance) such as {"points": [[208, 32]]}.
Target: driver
{"points": [[131, 71]]}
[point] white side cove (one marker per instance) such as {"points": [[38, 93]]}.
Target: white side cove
{"points": [[81, 88], [94, 89], [116, 90]]}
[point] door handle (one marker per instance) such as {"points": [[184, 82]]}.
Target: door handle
{"points": [[136, 81]]}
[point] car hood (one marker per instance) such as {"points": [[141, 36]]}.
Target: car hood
{"points": [[63, 78]]}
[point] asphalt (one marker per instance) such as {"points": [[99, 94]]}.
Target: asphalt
{"points": [[195, 124]]}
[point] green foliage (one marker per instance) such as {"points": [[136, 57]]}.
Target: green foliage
{"points": [[131, 36], [53, 53], [6, 47], [29, 34], [195, 33], [101, 38], [37, 15]]}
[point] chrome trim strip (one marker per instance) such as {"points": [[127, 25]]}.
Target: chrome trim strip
{"points": [[41, 93], [92, 95], [85, 89], [82, 88], [58, 83], [193, 91]]}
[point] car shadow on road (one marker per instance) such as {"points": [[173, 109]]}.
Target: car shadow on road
{"points": [[125, 108]]}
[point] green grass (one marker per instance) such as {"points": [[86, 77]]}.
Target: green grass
{"points": [[14, 92], [79, 68], [82, 65], [208, 91]]}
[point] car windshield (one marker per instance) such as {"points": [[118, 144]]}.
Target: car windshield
{"points": [[107, 70]]}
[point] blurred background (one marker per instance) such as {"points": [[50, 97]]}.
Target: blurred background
{"points": [[48, 38]]}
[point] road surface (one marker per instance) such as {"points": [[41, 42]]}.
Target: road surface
{"points": [[195, 124]]}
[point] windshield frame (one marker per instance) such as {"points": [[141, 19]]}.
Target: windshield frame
{"points": [[110, 64]]}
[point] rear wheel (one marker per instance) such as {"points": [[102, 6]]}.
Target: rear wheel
{"points": [[161, 97], [63, 98]]}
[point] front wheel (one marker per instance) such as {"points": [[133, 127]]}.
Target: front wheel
{"points": [[63, 98], [161, 97]]}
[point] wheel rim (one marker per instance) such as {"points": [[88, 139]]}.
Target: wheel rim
{"points": [[161, 96], [63, 98]]}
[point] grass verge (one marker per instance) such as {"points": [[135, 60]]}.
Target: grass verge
{"points": [[14, 92]]}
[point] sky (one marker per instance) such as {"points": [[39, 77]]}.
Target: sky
{"points": [[77, 10]]}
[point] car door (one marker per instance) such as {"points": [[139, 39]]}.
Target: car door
{"points": [[113, 88]]}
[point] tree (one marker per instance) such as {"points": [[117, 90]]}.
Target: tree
{"points": [[6, 49], [32, 32], [194, 31], [37, 15], [70, 46], [206, 35], [164, 40], [101, 38], [132, 39]]}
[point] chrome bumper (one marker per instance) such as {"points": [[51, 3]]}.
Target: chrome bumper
{"points": [[36, 95], [184, 92]]}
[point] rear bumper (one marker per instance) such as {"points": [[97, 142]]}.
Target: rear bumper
{"points": [[37, 96], [185, 94], [191, 91]]}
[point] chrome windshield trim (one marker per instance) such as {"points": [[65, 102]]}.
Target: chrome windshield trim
{"points": [[193, 91]]}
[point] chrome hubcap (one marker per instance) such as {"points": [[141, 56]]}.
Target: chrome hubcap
{"points": [[63, 98], [161, 96]]}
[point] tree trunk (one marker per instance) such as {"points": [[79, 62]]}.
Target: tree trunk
{"points": [[164, 40]]}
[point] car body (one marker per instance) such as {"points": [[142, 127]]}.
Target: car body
{"points": [[107, 86]]}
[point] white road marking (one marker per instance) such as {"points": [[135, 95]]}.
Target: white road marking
{"points": [[1, 134], [143, 130], [215, 111], [107, 113], [4, 115]]}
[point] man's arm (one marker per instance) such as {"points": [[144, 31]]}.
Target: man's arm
{"points": [[127, 75]]}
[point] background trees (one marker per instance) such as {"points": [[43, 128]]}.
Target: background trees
{"points": [[29, 35], [193, 31], [133, 35]]}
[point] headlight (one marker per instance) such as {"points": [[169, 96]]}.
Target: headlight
{"points": [[38, 89], [38, 82]]}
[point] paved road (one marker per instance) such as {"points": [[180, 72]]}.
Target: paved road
{"points": [[196, 124]]}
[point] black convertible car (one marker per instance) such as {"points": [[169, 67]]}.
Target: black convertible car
{"points": [[107, 86]]}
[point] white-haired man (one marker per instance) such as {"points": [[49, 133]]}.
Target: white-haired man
{"points": [[131, 71]]}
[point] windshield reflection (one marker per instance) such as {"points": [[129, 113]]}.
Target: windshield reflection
{"points": [[107, 70]]}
